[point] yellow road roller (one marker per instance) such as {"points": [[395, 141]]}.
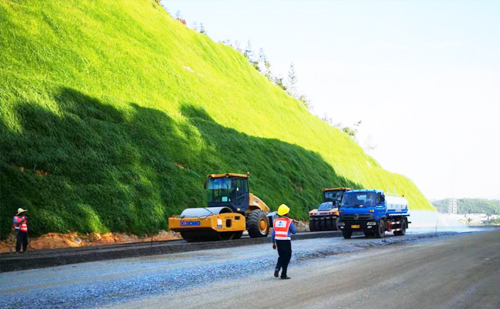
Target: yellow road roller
{"points": [[231, 210]]}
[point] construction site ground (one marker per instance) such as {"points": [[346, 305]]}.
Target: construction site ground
{"points": [[420, 270], [63, 256]]}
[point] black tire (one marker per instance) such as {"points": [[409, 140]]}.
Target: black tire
{"points": [[322, 224], [368, 233], [316, 225], [329, 224], [347, 233], [257, 224], [380, 229], [336, 222], [312, 226], [403, 228]]}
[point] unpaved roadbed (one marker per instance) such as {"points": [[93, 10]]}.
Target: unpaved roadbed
{"points": [[445, 272], [164, 281], [56, 257]]}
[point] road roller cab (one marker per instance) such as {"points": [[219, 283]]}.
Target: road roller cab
{"points": [[231, 209], [334, 195], [228, 190]]}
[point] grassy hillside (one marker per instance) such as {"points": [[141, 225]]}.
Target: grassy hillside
{"points": [[470, 206], [112, 113]]}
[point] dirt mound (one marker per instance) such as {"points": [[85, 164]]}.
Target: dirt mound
{"points": [[56, 240]]}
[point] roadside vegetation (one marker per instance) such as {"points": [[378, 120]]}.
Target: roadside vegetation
{"points": [[470, 206], [113, 112]]}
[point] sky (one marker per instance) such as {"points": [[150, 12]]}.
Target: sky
{"points": [[422, 76]]}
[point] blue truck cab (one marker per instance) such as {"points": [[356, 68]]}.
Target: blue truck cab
{"points": [[374, 213]]}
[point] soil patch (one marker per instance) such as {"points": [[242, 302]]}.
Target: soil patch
{"points": [[71, 240]]}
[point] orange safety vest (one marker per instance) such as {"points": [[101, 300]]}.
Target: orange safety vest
{"points": [[281, 226], [23, 226]]}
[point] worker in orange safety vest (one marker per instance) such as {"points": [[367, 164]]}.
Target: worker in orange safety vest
{"points": [[282, 227], [21, 226]]}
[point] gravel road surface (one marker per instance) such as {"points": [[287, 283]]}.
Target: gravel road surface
{"points": [[443, 270]]}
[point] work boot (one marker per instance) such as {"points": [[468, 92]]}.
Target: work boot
{"points": [[285, 277], [276, 273]]}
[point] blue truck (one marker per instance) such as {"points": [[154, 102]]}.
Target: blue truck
{"points": [[374, 213]]}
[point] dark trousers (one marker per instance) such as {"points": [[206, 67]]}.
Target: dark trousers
{"points": [[22, 238], [285, 254]]}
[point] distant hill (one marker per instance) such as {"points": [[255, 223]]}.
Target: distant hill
{"points": [[470, 206], [112, 113]]}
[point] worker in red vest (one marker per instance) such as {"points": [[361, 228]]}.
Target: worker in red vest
{"points": [[282, 227], [21, 226]]}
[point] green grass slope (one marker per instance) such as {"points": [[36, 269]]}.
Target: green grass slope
{"points": [[112, 113], [470, 206]]}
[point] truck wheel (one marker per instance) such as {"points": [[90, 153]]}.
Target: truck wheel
{"points": [[403, 228], [312, 226], [347, 233], [257, 224], [368, 233], [380, 230], [329, 224], [336, 222]]}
